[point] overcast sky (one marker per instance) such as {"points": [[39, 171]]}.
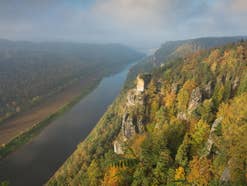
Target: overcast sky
{"points": [[133, 22]]}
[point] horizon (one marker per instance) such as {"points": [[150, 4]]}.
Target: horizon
{"points": [[146, 50]]}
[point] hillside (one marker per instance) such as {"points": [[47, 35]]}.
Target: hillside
{"points": [[30, 72], [185, 124], [175, 49]]}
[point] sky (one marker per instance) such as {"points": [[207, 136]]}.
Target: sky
{"points": [[137, 23]]}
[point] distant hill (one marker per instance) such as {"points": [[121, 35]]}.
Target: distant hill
{"points": [[181, 48], [30, 71]]}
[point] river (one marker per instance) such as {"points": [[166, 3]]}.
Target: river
{"points": [[34, 163]]}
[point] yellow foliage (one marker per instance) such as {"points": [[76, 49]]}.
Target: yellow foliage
{"points": [[169, 99], [230, 58], [189, 85], [213, 66], [214, 56], [200, 171], [180, 174], [234, 131], [184, 94], [136, 144]]}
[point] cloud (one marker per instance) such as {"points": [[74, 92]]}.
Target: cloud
{"points": [[133, 22]]}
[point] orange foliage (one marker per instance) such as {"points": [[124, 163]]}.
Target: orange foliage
{"points": [[200, 171], [111, 178], [136, 145]]}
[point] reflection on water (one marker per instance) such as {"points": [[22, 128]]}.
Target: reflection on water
{"points": [[34, 163]]}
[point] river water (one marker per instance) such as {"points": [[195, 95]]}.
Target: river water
{"points": [[34, 163]]}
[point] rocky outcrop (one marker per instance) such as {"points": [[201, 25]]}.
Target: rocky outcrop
{"points": [[174, 88], [210, 141], [182, 116], [225, 177], [134, 98], [235, 83], [208, 90], [141, 82], [129, 128], [132, 118], [195, 99], [118, 149]]}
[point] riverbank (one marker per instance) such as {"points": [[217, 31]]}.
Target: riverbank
{"points": [[35, 162], [29, 133]]}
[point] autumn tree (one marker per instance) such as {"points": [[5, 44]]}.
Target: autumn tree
{"points": [[180, 176], [111, 177], [94, 173], [200, 171], [234, 130], [199, 136], [184, 94]]}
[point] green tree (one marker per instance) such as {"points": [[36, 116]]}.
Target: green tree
{"points": [[94, 174], [183, 154], [199, 136]]}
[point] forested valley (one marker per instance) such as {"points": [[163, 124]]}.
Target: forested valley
{"points": [[183, 124], [31, 72]]}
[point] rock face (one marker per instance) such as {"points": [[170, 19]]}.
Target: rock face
{"points": [[141, 81], [235, 83], [174, 88], [210, 141], [134, 97], [225, 177], [208, 90], [140, 84], [129, 128], [195, 99], [117, 147], [132, 121], [182, 116]]}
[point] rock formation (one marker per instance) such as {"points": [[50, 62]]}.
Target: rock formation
{"points": [[141, 81], [132, 119], [117, 147], [210, 141], [195, 99]]}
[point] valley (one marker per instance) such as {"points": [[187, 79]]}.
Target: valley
{"points": [[39, 81], [123, 93], [35, 162]]}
